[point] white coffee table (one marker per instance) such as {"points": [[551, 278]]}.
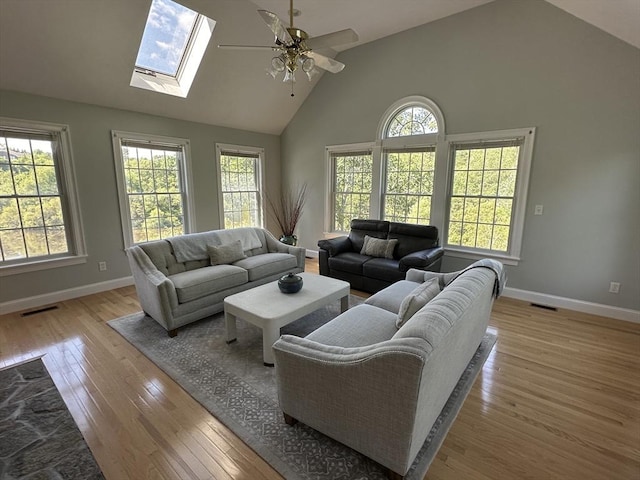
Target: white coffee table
{"points": [[270, 309]]}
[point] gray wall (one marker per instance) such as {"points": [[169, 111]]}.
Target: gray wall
{"points": [[90, 128], [508, 64]]}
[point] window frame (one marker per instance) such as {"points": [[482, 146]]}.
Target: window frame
{"points": [[516, 228], [65, 174], [185, 177], [330, 152], [180, 84], [258, 152]]}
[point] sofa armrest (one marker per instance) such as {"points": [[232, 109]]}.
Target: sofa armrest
{"points": [[421, 259], [347, 393], [276, 246], [335, 246], [156, 293]]}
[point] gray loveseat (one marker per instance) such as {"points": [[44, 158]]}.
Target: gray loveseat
{"points": [[177, 284], [378, 388]]}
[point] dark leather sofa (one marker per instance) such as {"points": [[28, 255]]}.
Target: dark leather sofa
{"points": [[417, 247]]}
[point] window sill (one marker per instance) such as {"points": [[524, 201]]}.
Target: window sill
{"points": [[16, 269], [478, 255]]}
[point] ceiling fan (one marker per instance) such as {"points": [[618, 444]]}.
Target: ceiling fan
{"points": [[296, 48]]}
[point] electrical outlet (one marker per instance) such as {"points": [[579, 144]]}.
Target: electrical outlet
{"points": [[102, 266], [614, 287], [538, 210]]}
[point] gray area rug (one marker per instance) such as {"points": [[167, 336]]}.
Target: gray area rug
{"points": [[231, 382], [38, 436]]}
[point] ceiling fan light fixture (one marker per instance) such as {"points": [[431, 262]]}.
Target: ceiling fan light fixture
{"points": [[293, 50], [289, 76], [307, 63]]}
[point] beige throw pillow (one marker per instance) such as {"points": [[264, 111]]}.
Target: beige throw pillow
{"points": [[418, 298], [378, 247], [225, 253]]}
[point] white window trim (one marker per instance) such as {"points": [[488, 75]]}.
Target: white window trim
{"points": [[227, 148], [328, 194], [68, 179], [179, 85], [520, 195], [185, 175]]}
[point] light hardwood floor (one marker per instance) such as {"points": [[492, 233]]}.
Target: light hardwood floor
{"points": [[559, 398]]}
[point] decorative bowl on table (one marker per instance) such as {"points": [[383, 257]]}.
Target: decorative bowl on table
{"points": [[290, 283]]}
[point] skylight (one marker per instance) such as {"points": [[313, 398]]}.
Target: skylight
{"points": [[173, 44], [164, 42]]}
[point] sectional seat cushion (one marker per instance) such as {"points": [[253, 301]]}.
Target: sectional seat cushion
{"points": [[350, 262], [261, 266], [349, 331], [200, 282], [417, 299], [391, 297], [383, 269]]}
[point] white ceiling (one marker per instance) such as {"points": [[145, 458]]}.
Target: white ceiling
{"points": [[84, 50]]}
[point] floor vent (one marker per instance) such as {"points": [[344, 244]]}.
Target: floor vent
{"points": [[39, 310], [546, 307]]}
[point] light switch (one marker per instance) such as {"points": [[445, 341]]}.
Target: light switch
{"points": [[538, 210]]}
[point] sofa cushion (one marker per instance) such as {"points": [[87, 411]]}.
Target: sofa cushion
{"points": [[350, 262], [204, 281], [417, 299], [361, 228], [391, 298], [378, 247], [267, 264], [412, 238], [383, 269], [225, 253], [161, 255], [359, 326]]}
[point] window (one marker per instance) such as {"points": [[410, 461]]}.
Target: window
{"points": [[39, 220], [409, 185], [153, 186], [351, 187], [409, 147], [172, 47], [473, 187], [412, 120], [489, 177], [240, 186]]}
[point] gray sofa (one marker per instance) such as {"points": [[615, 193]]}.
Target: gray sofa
{"points": [[378, 388], [177, 285]]}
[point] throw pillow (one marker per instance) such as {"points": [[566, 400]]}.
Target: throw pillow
{"points": [[418, 298], [225, 253], [378, 247]]}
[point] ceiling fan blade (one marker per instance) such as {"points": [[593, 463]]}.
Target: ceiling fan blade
{"points": [[326, 63], [276, 26], [247, 47], [341, 37]]}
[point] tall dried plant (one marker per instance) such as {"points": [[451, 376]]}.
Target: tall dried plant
{"points": [[288, 209]]}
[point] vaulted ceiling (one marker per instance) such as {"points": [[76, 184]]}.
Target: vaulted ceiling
{"points": [[84, 50]]}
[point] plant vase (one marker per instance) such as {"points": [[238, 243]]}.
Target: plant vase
{"points": [[289, 240]]}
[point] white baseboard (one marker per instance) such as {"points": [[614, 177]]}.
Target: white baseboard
{"points": [[572, 304], [62, 295], [312, 254]]}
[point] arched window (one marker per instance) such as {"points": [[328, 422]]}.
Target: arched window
{"points": [[412, 120], [409, 132]]}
